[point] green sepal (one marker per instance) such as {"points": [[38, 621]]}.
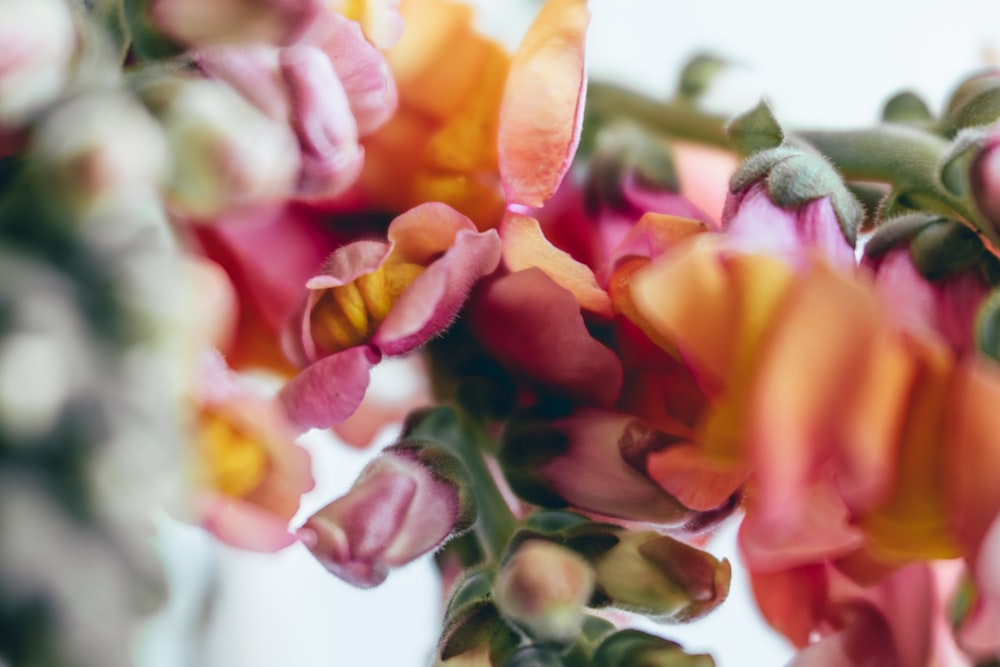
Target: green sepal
{"points": [[907, 108], [625, 150], [446, 468], [795, 177], [476, 586], [527, 444], [953, 167], [975, 102], [634, 648], [987, 326], [754, 131], [944, 248], [475, 625], [534, 655], [697, 75], [554, 521], [896, 231]]}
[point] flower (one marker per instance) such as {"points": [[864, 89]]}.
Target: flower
{"points": [[405, 503], [247, 473], [381, 298], [467, 126]]}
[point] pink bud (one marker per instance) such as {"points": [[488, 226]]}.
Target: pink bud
{"points": [[754, 223], [397, 510], [947, 306], [198, 23], [984, 177]]}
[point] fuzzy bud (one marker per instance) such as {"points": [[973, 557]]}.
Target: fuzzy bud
{"points": [[661, 577], [405, 503], [543, 588]]}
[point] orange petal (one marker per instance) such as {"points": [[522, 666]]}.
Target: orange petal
{"points": [[688, 475], [543, 103], [525, 246]]}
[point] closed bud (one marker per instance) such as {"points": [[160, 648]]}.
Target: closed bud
{"points": [[100, 152], [984, 179], [226, 153], [405, 503], [931, 274], [661, 577], [789, 203], [544, 588], [576, 460], [975, 102], [627, 158]]}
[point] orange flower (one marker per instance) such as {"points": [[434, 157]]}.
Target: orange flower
{"points": [[465, 126]]}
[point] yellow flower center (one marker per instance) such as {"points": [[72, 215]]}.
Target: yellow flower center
{"points": [[229, 462], [352, 9], [348, 315]]}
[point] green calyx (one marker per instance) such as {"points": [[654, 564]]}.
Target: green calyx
{"points": [[755, 131], [987, 326], [634, 648], [907, 108], [795, 177], [975, 102]]}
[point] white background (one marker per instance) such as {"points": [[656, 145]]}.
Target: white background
{"points": [[828, 63]]}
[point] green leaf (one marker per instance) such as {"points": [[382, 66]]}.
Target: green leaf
{"points": [[754, 131]]}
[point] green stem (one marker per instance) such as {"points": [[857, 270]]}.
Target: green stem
{"points": [[677, 119], [495, 523]]}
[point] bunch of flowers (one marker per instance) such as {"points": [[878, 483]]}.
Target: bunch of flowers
{"points": [[637, 321]]}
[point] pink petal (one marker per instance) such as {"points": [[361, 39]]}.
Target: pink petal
{"points": [[323, 121], [542, 108], [525, 246], [349, 262], [252, 69], [243, 525], [534, 326], [329, 390], [424, 232], [863, 640], [360, 68], [432, 301]]}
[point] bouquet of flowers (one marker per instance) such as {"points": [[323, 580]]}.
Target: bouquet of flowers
{"points": [[631, 321]]}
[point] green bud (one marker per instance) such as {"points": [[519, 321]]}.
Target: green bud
{"points": [[543, 588], [534, 656], [633, 648], [474, 587], [975, 102], [661, 577], [625, 154], [907, 108]]}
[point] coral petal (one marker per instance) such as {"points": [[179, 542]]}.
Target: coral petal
{"points": [[543, 103]]}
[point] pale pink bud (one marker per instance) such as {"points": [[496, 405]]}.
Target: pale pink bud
{"points": [[403, 505], [544, 588], [227, 154]]}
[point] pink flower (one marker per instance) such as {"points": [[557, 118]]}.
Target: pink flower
{"points": [[381, 298], [197, 23], [405, 503], [247, 472]]}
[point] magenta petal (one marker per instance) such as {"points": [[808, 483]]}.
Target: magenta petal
{"points": [[329, 390], [324, 123], [360, 67], [432, 301], [533, 326]]}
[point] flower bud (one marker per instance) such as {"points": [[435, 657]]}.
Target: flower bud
{"points": [[984, 178], [101, 151], [930, 275], [577, 460], [406, 502], [38, 42], [227, 154], [543, 588], [975, 102], [788, 203], [661, 577]]}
